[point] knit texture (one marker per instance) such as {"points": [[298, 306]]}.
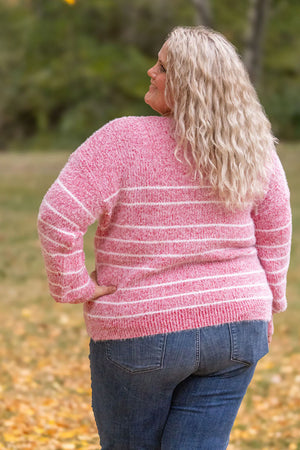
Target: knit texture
{"points": [[179, 259]]}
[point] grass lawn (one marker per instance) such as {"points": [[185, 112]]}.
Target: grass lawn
{"points": [[44, 376]]}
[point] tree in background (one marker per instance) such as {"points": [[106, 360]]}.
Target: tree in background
{"points": [[69, 66], [203, 14], [255, 26], [254, 37], [267, 35]]}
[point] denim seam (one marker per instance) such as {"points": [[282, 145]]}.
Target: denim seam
{"points": [[197, 362], [137, 371], [133, 371], [162, 359], [233, 340]]}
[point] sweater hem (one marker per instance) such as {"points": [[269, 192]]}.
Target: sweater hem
{"points": [[100, 329]]}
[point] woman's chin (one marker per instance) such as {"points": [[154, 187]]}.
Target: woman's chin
{"points": [[160, 109], [147, 98]]}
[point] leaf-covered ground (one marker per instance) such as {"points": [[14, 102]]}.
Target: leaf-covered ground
{"points": [[44, 378]]}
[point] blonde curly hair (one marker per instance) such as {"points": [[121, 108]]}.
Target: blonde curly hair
{"points": [[219, 123]]}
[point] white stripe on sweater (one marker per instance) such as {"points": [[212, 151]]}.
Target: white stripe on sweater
{"points": [[172, 241], [62, 254], [158, 269], [71, 290], [184, 294], [60, 214], [139, 188], [279, 283], [75, 198], [72, 272], [274, 229], [53, 241], [188, 280], [111, 196], [180, 308], [57, 229], [156, 187], [78, 288], [285, 268], [159, 255], [202, 225], [273, 246], [274, 259], [190, 202], [56, 284], [153, 269]]}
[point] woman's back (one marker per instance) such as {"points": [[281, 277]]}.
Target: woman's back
{"points": [[180, 259]]}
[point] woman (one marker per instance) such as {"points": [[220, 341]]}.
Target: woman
{"points": [[192, 250]]}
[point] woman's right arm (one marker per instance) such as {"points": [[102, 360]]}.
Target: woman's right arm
{"points": [[75, 200]]}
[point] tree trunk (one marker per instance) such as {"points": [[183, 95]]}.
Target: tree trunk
{"points": [[203, 12], [254, 37]]}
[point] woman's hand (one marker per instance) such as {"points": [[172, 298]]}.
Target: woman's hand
{"points": [[101, 290], [270, 331]]}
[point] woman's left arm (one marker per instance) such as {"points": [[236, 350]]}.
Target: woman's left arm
{"points": [[273, 227]]}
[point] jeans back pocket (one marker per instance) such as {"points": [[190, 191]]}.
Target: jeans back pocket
{"points": [[249, 341], [143, 354]]}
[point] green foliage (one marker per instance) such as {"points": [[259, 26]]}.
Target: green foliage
{"points": [[280, 87], [66, 70]]}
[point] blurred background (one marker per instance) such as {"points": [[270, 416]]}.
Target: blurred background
{"points": [[66, 68]]}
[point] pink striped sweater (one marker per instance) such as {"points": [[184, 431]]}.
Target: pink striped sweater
{"points": [[179, 259]]}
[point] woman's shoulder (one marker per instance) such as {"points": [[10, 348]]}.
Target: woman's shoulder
{"points": [[125, 133], [132, 123]]}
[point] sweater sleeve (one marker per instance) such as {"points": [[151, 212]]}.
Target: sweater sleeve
{"points": [[272, 220], [85, 191]]}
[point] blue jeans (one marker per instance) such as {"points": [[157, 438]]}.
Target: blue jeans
{"points": [[177, 391]]}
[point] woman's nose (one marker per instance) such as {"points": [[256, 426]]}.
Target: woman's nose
{"points": [[151, 72]]}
